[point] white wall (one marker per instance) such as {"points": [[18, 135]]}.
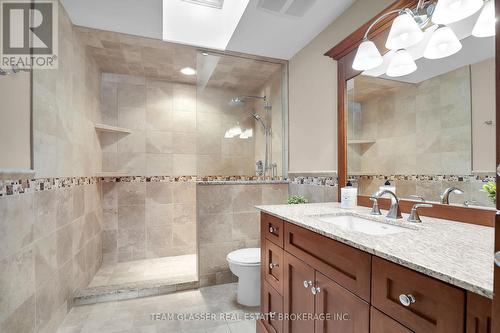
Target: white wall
{"points": [[15, 132], [313, 92], [483, 109]]}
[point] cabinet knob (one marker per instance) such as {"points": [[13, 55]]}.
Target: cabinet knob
{"points": [[315, 290], [272, 229], [407, 299], [307, 284], [272, 265]]}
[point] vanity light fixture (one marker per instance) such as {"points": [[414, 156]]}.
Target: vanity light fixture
{"points": [[485, 25], [401, 64], [367, 57], [405, 32], [449, 11], [443, 43], [188, 71]]}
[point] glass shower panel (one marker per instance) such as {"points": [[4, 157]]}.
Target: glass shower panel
{"points": [[239, 116]]}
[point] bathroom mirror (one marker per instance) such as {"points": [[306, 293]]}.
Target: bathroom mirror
{"points": [[426, 131]]}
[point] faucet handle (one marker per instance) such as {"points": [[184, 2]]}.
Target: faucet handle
{"points": [[414, 216], [375, 208], [416, 196]]}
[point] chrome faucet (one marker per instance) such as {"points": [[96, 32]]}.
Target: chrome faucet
{"points": [[414, 216], [445, 197], [394, 210]]}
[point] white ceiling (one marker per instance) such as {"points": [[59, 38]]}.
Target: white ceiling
{"points": [[270, 34], [261, 31]]}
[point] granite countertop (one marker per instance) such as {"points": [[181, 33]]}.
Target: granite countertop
{"points": [[457, 253]]}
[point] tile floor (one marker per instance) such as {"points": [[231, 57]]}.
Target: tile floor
{"points": [[134, 316], [176, 269]]}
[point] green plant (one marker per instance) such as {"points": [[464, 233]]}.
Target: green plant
{"points": [[491, 189], [296, 199]]}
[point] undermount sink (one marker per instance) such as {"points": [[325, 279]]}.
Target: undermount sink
{"points": [[359, 224]]}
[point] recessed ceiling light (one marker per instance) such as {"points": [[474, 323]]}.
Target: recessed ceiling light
{"points": [[204, 53], [188, 71]]}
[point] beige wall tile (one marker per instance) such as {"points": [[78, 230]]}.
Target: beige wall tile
{"points": [[159, 164], [130, 193], [17, 282], [16, 223], [159, 193]]}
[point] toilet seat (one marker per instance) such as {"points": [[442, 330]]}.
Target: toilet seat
{"points": [[245, 257]]}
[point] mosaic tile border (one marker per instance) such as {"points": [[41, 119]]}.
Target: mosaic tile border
{"points": [[320, 181], [22, 186], [14, 187], [436, 178]]}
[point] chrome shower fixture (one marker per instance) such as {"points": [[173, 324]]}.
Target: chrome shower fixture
{"points": [[240, 101]]}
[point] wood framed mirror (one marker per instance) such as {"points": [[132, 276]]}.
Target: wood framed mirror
{"points": [[472, 207]]}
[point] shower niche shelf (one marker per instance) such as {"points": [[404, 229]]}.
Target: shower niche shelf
{"points": [[111, 129], [361, 142], [113, 174]]}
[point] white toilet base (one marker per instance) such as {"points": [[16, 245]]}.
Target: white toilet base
{"points": [[249, 291]]}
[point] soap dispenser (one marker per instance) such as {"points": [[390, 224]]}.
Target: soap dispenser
{"points": [[387, 186], [348, 196]]}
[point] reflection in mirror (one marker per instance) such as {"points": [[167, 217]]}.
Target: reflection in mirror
{"points": [[427, 131]]}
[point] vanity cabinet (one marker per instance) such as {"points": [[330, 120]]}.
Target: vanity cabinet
{"points": [[304, 272], [478, 314], [418, 302]]}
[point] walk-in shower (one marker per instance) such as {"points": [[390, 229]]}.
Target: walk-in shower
{"points": [[240, 101]]}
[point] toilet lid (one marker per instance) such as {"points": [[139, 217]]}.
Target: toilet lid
{"points": [[245, 256]]}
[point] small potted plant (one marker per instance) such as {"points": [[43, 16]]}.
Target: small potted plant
{"points": [[491, 189], [296, 199]]}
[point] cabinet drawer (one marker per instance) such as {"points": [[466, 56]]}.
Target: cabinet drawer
{"points": [[273, 265], [345, 265], [272, 227], [478, 314], [380, 323], [436, 306], [272, 303]]}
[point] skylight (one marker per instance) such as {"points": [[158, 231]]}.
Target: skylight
{"points": [[186, 22]]}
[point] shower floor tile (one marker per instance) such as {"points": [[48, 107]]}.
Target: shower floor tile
{"points": [[176, 270], [135, 316]]}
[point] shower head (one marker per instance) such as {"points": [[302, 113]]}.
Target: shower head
{"points": [[240, 101], [236, 102]]}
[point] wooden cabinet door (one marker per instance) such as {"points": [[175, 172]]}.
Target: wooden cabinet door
{"points": [[349, 313], [297, 295], [272, 307], [380, 323], [273, 265], [478, 314]]}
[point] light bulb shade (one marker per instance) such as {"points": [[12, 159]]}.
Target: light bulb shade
{"points": [[443, 43], [401, 64], [449, 11], [367, 57], [485, 25], [404, 33]]}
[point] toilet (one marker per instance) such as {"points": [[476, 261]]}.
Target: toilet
{"points": [[245, 264]]}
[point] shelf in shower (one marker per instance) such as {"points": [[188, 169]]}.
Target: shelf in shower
{"points": [[111, 129], [360, 142], [113, 174]]}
